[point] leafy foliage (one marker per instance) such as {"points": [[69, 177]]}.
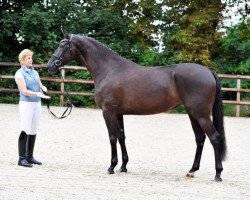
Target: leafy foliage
{"points": [[234, 57], [195, 34], [187, 29]]}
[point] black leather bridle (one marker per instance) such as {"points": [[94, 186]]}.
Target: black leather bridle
{"points": [[58, 63]]}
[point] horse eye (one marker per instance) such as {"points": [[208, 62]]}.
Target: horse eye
{"points": [[63, 44]]}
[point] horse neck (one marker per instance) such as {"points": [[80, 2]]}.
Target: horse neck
{"points": [[98, 60]]}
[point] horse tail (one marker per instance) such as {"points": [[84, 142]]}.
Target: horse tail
{"points": [[218, 118]]}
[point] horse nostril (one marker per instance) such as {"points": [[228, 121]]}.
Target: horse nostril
{"points": [[49, 69]]}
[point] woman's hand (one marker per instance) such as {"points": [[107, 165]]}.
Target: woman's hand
{"points": [[40, 94], [44, 89]]}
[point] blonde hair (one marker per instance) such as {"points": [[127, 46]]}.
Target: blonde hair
{"points": [[24, 53]]}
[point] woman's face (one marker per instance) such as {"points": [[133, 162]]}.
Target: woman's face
{"points": [[27, 61]]}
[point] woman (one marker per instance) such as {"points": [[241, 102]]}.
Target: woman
{"points": [[30, 87]]}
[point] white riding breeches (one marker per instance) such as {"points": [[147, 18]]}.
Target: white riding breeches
{"points": [[30, 113]]}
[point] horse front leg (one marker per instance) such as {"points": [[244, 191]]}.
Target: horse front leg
{"points": [[121, 139], [112, 124]]}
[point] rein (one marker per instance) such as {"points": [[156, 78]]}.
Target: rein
{"points": [[69, 104], [68, 110]]}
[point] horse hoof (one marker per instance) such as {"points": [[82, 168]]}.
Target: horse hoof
{"points": [[190, 175], [110, 171], [217, 179], [123, 170]]}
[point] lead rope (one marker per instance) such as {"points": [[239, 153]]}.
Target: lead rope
{"points": [[68, 110]]}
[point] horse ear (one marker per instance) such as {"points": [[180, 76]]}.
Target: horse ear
{"points": [[65, 33]]}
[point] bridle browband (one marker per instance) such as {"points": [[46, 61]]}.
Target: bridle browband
{"points": [[58, 63]]}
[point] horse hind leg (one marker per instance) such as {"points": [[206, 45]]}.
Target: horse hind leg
{"points": [[214, 138], [200, 139], [121, 139]]}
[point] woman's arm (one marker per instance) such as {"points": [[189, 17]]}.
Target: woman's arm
{"points": [[42, 87], [22, 87]]}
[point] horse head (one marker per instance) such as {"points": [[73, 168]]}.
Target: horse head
{"points": [[63, 54]]}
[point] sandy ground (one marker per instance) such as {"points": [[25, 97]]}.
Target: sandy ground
{"points": [[76, 154]]}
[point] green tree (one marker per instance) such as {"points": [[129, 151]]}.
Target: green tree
{"points": [[234, 56], [194, 26]]}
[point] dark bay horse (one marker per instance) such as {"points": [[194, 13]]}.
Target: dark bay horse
{"points": [[122, 87]]}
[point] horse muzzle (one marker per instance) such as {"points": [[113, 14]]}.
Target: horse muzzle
{"points": [[53, 69]]}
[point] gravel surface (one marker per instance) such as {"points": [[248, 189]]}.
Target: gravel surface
{"points": [[76, 154]]}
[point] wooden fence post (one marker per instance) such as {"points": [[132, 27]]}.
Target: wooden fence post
{"points": [[62, 87], [238, 98]]}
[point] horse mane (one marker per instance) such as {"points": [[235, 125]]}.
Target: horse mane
{"points": [[105, 50], [96, 42]]}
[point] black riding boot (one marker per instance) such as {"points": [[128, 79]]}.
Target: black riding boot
{"points": [[30, 148], [22, 161]]}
